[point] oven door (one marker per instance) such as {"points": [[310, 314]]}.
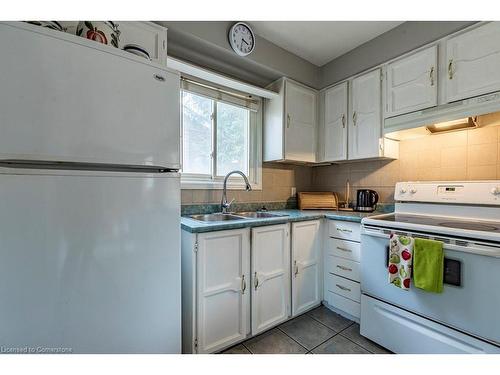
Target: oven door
{"points": [[470, 300]]}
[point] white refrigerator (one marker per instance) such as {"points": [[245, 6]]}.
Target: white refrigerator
{"points": [[89, 198]]}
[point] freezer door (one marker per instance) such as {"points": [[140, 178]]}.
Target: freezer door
{"points": [[90, 263], [65, 101]]}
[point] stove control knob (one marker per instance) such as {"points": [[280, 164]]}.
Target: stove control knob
{"points": [[413, 190], [402, 190], [495, 190]]}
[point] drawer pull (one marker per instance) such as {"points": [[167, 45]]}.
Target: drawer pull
{"points": [[344, 249], [342, 287], [344, 230], [344, 268]]}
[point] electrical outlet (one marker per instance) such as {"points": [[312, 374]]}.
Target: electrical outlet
{"points": [[294, 191]]}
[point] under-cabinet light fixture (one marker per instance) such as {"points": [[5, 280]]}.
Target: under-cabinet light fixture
{"points": [[460, 124]]}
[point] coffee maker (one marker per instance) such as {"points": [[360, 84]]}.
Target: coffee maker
{"points": [[366, 200]]}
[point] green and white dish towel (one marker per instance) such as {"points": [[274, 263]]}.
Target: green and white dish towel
{"points": [[428, 265], [400, 260]]}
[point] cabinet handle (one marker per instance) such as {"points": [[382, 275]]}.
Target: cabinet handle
{"points": [[344, 249], [344, 230], [342, 287], [354, 118], [255, 281], [243, 284], [296, 268], [450, 69], [344, 268], [287, 121], [431, 76], [343, 121]]}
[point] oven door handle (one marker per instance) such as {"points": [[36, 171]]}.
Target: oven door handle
{"points": [[472, 248]]}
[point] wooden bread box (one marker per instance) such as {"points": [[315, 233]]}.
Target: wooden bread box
{"points": [[318, 200]]}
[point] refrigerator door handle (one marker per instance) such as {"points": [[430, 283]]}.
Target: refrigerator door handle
{"points": [[69, 165]]}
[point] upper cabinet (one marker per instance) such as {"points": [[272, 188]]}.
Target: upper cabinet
{"points": [[365, 123], [290, 123], [473, 61], [333, 124], [411, 83], [147, 35], [350, 126], [354, 115]]}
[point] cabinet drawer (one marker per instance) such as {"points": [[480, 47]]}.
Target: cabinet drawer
{"points": [[345, 230], [344, 287], [344, 304], [343, 267], [344, 249]]}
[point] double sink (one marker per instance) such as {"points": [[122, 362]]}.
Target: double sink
{"points": [[235, 216]]}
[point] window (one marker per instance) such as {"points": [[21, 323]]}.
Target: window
{"points": [[218, 136], [233, 125], [197, 134]]}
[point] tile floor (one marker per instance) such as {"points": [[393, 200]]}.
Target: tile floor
{"points": [[319, 331]]}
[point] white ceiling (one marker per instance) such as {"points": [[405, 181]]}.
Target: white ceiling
{"points": [[320, 41]]}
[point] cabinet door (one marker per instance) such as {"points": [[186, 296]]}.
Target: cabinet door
{"points": [[473, 61], [273, 131], [95, 106], [306, 278], [365, 123], [412, 83], [300, 122], [223, 289], [335, 123], [270, 276]]}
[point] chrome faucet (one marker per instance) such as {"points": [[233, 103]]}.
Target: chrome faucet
{"points": [[224, 204]]}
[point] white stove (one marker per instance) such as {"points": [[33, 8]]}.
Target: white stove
{"points": [[465, 216]]}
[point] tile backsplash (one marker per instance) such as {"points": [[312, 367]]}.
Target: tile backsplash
{"points": [[463, 155], [277, 183]]}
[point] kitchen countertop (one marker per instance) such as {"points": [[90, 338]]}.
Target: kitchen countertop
{"points": [[195, 226]]}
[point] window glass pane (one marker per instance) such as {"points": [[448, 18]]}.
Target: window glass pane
{"points": [[197, 133], [232, 138]]}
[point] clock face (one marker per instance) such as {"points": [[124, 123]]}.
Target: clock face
{"points": [[242, 39]]}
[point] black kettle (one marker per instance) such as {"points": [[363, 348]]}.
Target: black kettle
{"points": [[366, 200]]}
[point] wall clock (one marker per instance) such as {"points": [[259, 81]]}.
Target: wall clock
{"points": [[242, 39]]}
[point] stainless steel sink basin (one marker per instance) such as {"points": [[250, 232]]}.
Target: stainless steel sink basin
{"points": [[216, 217], [258, 214], [236, 216]]}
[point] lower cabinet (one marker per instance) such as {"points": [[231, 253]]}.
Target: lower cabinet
{"points": [[235, 283], [223, 283], [306, 266], [270, 267], [238, 283]]}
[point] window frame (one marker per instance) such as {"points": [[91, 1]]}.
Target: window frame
{"points": [[205, 181]]}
